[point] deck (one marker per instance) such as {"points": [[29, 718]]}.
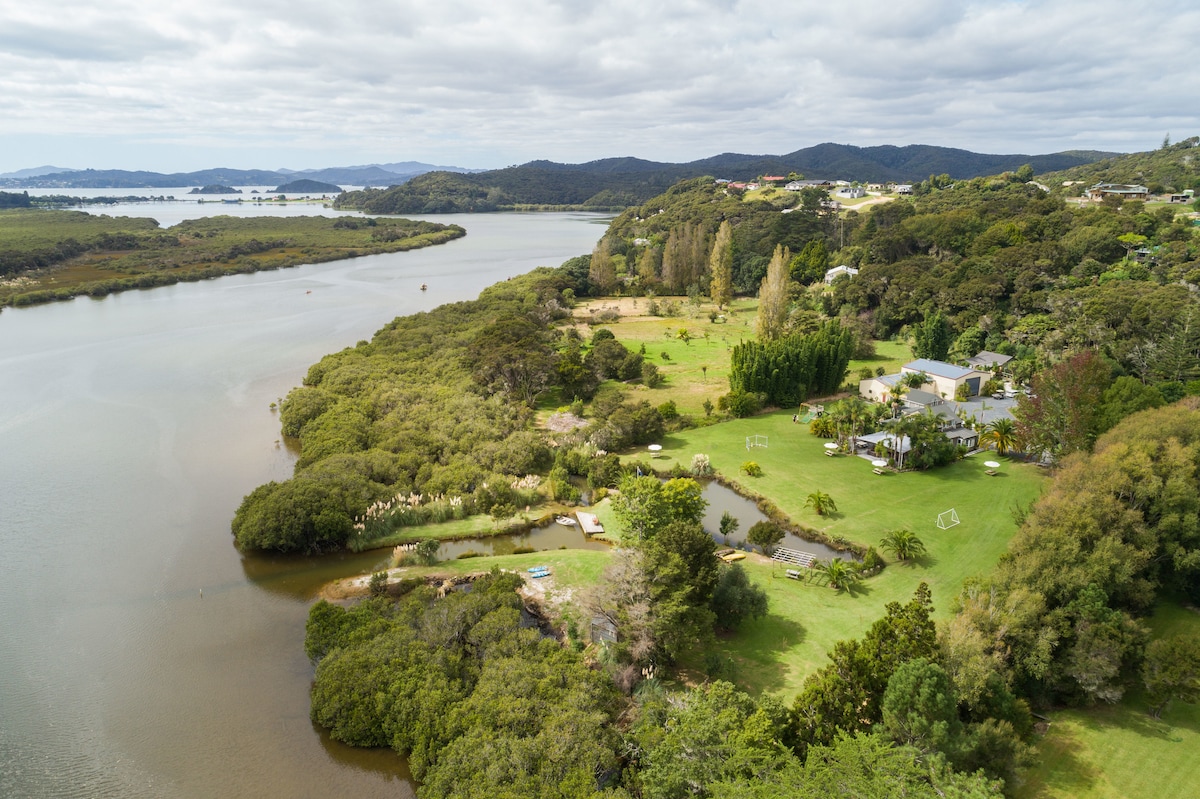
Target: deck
{"points": [[589, 522]]}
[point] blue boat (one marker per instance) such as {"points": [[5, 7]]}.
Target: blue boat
{"points": [[533, 569]]}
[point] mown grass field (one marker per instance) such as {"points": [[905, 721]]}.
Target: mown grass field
{"points": [[695, 369], [775, 654], [1120, 751]]}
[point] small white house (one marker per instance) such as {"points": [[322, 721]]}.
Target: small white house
{"points": [[833, 274], [852, 192]]}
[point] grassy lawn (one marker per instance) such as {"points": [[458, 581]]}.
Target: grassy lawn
{"points": [[572, 571], [1118, 751], [775, 654], [694, 370], [891, 355], [571, 568]]}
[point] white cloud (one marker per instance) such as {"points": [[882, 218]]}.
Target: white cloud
{"points": [[486, 84]]}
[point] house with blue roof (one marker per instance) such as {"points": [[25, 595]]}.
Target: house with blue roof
{"points": [[942, 380], [945, 378]]}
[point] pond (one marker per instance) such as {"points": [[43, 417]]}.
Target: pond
{"points": [[722, 499]]}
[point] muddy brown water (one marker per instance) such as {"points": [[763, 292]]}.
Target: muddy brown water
{"points": [[140, 654]]}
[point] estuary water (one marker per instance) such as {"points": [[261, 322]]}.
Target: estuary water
{"points": [[140, 654]]}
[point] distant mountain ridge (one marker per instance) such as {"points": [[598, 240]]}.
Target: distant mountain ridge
{"points": [[616, 183], [607, 182], [369, 175]]}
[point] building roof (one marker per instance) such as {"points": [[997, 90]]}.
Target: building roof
{"points": [[988, 359], [919, 397], [838, 271], [938, 368], [888, 380], [888, 439]]}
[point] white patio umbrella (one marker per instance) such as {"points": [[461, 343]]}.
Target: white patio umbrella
{"points": [[879, 464], [830, 445], [991, 464]]}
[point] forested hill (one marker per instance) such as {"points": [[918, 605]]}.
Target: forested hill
{"points": [[1171, 168], [617, 183]]}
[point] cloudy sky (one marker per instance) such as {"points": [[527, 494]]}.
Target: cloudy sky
{"points": [[166, 85]]}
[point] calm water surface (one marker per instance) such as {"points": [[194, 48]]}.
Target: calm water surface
{"points": [[140, 654]]}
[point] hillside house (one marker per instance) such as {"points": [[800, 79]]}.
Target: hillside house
{"points": [[852, 192], [837, 271], [1125, 191], [986, 361]]}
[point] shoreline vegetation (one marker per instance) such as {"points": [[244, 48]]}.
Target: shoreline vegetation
{"points": [[50, 255]]}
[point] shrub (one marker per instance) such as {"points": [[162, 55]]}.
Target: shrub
{"points": [[668, 410], [378, 584], [765, 534], [741, 403], [752, 469], [651, 377], [701, 467]]}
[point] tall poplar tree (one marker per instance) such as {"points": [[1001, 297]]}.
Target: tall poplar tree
{"points": [[773, 297], [720, 264], [674, 267], [601, 272]]}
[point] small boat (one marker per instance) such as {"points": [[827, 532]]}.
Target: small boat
{"points": [[533, 569], [539, 575], [424, 287], [566, 521], [733, 557]]}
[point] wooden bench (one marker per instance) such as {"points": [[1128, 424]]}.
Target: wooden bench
{"points": [[991, 472], [829, 453], [795, 575], [878, 471]]}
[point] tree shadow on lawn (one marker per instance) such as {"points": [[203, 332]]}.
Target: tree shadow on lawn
{"points": [[1134, 715], [759, 649], [1064, 769], [926, 561]]}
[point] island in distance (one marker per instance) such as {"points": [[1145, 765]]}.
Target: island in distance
{"points": [[215, 189], [306, 186]]}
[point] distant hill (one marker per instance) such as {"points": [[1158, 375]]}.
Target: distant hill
{"points": [[1168, 169], [307, 186], [34, 172], [615, 183]]}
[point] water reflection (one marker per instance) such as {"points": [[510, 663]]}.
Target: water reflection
{"points": [[722, 499]]}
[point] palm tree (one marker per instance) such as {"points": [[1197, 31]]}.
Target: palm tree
{"points": [[821, 503], [822, 426], [903, 544], [839, 573], [1001, 434]]}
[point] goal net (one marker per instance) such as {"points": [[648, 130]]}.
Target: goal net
{"points": [[756, 441], [947, 519]]}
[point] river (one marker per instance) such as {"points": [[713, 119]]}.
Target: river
{"points": [[141, 654]]}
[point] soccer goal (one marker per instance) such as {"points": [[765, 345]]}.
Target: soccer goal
{"points": [[947, 519], [756, 441]]}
